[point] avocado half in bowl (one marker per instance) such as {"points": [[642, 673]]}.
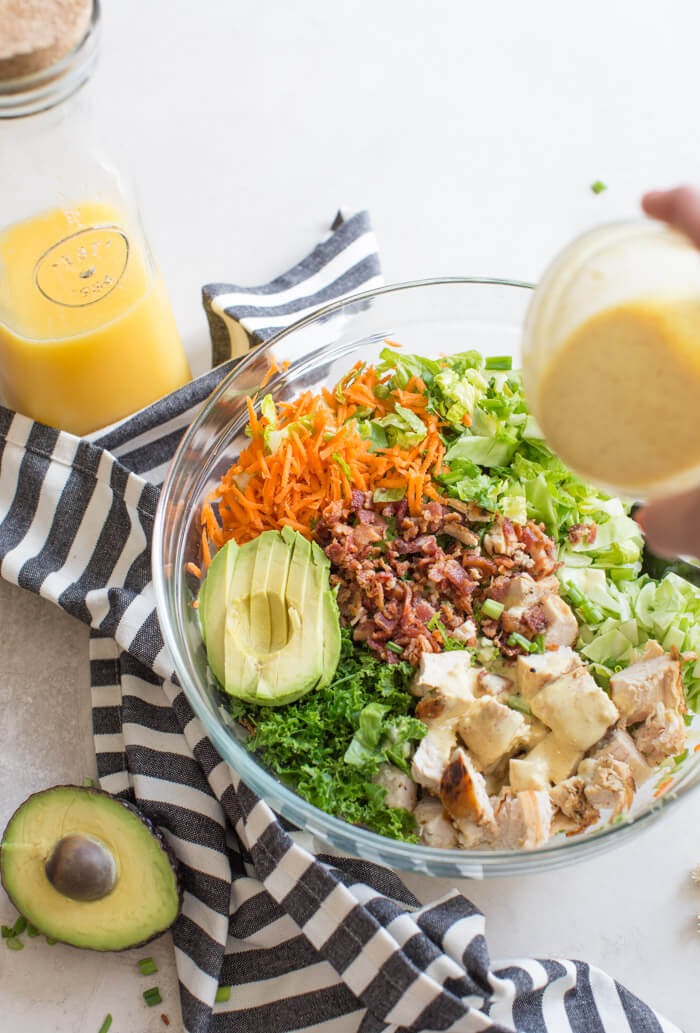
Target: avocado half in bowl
{"points": [[89, 869], [430, 318]]}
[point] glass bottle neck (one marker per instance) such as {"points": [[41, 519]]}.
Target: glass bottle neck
{"points": [[46, 89]]}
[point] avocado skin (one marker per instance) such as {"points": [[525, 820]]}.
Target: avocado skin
{"points": [[155, 833]]}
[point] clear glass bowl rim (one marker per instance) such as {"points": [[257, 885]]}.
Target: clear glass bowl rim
{"points": [[394, 853]]}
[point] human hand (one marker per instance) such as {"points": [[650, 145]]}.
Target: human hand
{"points": [[672, 526]]}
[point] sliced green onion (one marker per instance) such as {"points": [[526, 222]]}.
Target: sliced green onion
{"points": [[14, 943], [492, 608], [7, 931], [19, 926], [223, 994], [147, 966], [539, 643], [394, 647], [598, 187], [518, 703], [50, 940], [152, 996], [499, 362], [87, 784], [592, 614], [519, 640], [32, 930], [575, 594], [343, 465], [106, 1024]]}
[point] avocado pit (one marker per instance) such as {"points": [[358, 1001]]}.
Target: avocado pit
{"points": [[81, 868]]}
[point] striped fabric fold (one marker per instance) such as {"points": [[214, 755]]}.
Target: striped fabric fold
{"points": [[310, 943]]}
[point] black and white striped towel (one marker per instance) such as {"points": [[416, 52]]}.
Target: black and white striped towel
{"points": [[307, 941]]}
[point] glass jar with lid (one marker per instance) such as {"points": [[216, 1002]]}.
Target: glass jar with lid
{"points": [[87, 334], [611, 358]]}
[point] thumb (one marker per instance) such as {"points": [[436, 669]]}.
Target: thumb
{"points": [[671, 526], [680, 208]]}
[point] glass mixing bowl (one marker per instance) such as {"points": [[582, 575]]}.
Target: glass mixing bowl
{"points": [[431, 317]]}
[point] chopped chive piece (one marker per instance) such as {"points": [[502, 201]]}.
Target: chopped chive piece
{"points": [[518, 703], [539, 643], [6, 931], [223, 994], [574, 593], [598, 187], [519, 640], [499, 362], [32, 930], [87, 784], [394, 648], [50, 940], [147, 966], [19, 926], [152, 996], [106, 1024], [14, 943], [493, 609]]}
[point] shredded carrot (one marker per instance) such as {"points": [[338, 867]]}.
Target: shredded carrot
{"points": [[696, 748], [192, 568], [321, 458], [392, 344], [663, 787], [274, 368], [206, 554]]}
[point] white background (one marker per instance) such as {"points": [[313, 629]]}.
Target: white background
{"points": [[472, 132]]}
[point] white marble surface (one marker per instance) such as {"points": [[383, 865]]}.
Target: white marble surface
{"points": [[472, 133]]}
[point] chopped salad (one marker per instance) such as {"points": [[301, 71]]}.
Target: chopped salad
{"points": [[506, 671]]}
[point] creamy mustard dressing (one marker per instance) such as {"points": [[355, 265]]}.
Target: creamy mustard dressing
{"points": [[619, 401]]}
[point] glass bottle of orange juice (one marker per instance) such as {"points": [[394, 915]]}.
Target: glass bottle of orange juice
{"points": [[87, 334]]}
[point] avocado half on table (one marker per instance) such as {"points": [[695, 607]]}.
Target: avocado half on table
{"points": [[269, 618], [89, 869]]}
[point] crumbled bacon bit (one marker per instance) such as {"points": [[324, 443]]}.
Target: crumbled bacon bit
{"points": [[579, 533], [395, 573]]}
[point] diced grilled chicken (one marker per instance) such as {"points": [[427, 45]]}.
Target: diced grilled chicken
{"points": [[401, 790], [557, 757], [608, 783], [495, 541], [534, 671], [575, 708], [471, 836], [571, 799], [496, 685], [619, 745], [662, 735], [523, 591], [638, 689], [528, 774], [561, 627], [523, 819], [652, 649], [462, 534], [450, 672], [466, 632], [463, 790], [433, 755], [491, 730], [434, 826]]}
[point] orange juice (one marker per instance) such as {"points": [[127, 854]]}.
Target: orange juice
{"points": [[87, 335]]}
